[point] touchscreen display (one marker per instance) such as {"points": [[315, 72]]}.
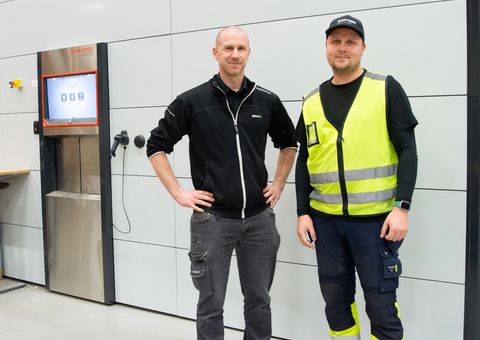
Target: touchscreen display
{"points": [[72, 98]]}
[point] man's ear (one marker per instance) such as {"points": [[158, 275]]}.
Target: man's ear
{"points": [[214, 52]]}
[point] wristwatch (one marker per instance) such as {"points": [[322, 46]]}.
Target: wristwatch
{"points": [[405, 205]]}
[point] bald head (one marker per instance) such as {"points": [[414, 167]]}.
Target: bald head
{"points": [[230, 30], [231, 51]]}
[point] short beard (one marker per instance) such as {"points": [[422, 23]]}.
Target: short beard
{"points": [[350, 69]]}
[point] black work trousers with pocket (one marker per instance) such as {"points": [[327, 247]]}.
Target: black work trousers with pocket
{"points": [[344, 245]]}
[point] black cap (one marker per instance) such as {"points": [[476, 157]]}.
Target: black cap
{"points": [[346, 21]]}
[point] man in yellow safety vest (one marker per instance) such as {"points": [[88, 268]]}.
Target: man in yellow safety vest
{"points": [[355, 176]]}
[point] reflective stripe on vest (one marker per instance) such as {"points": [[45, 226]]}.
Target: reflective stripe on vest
{"points": [[353, 170], [364, 197], [355, 175]]}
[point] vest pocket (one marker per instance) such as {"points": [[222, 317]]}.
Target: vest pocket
{"points": [[312, 134]]}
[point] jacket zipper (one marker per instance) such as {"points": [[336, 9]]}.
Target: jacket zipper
{"points": [[239, 150], [341, 172]]}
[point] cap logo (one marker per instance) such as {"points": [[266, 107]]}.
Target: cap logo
{"points": [[347, 20]]}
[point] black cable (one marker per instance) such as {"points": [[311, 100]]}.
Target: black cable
{"points": [[123, 197]]}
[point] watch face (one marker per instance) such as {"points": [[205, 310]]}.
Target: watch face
{"points": [[403, 205]]}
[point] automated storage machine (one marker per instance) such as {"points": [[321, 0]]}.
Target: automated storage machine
{"points": [[75, 171]]}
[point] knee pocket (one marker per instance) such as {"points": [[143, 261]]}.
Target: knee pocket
{"points": [[391, 269], [199, 272]]}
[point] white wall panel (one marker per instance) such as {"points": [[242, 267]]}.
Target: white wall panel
{"points": [[19, 145], [181, 158], [405, 50], [291, 250], [441, 142], [145, 276], [24, 99], [191, 15], [435, 246], [21, 201], [23, 253], [431, 310], [288, 57], [152, 220], [189, 71], [297, 304], [136, 121], [182, 218], [140, 72], [43, 25]]}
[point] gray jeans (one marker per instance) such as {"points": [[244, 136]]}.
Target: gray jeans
{"points": [[256, 241]]}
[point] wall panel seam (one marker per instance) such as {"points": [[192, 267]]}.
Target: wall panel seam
{"points": [[441, 189], [302, 264], [447, 95], [138, 107], [287, 182], [18, 56], [145, 243], [20, 225]]}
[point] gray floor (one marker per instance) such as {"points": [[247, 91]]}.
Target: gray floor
{"points": [[35, 313]]}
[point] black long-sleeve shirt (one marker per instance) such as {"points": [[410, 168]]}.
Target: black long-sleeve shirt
{"points": [[336, 102]]}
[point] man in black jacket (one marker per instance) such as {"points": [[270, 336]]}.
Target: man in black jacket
{"points": [[228, 120]]}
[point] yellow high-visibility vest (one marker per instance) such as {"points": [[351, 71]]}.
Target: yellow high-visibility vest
{"points": [[353, 170]]}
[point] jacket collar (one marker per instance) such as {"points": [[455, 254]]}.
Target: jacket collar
{"points": [[218, 82]]}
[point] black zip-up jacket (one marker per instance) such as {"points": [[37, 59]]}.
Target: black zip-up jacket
{"points": [[227, 144]]}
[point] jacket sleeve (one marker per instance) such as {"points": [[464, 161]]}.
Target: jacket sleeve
{"points": [[171, 128], [281, 129]]}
